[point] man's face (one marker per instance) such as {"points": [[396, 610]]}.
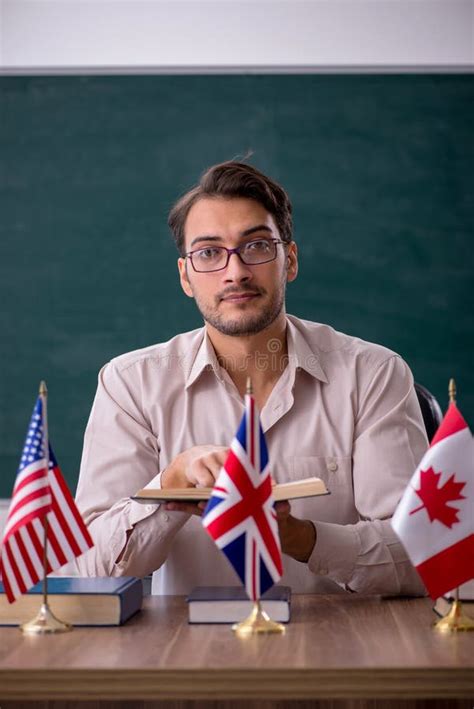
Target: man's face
{"points": [[240, 299]]}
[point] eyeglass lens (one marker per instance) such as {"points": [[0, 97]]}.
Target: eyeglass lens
{"points": [[213, 258]]}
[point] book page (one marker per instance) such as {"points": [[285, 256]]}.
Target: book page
{"points": [[309, 487]]}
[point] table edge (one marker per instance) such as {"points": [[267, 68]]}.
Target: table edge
{"points": [[338, 683]]}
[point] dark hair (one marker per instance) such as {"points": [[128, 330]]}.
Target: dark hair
{"points": [[234, 179]]}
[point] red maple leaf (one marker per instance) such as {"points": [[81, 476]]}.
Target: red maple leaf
{"points": [[436, 499]]}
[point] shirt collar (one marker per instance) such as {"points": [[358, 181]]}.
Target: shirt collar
{"points": [[204, 359], [300, 354]]}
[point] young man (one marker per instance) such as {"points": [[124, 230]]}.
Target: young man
{"points": [[331, 406]]}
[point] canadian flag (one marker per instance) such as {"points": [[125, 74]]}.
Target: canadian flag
{"points": [[435, 517]]}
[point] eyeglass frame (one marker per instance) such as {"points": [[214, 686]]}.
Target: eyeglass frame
{"points": [[237, 251]]}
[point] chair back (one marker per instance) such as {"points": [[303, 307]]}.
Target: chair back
{"points": [[430, 410]]}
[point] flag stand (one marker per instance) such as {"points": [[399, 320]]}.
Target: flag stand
{"points": [[257, 623], [455, 619], [45, 622]]}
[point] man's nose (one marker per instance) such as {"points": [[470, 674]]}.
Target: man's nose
{"points": [[237, 270]]}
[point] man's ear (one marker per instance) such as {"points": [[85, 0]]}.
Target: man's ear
{"points": [[291, 262], [183, 278]]}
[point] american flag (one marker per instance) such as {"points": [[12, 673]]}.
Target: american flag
{"points": [[39, 493], [239, 515]]}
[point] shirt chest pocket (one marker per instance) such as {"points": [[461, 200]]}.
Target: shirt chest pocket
{"points": [[335, 471]]}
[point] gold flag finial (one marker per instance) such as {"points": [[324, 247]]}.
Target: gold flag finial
{"points": [[249, 390], [452, 391], [43, 390]]}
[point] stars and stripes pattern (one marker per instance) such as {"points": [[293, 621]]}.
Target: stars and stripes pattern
{"points": [[240, 516], [40, 492]]}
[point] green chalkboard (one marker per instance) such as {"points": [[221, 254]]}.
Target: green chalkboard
{"points": [[379, 168]]}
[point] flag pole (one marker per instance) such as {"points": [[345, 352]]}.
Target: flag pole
{"points": [[45, 622], [258, 622], [455, 620], [452, 391]]}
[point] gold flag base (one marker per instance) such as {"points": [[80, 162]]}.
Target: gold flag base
{"points": [[45, 623], [455, 620], [257, 623]]}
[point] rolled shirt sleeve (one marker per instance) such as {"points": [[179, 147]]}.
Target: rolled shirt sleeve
{"points": [[121, 455], [389, 441]]}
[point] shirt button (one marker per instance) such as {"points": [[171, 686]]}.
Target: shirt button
{"points": [[323, 572], [150, 508], [165, 518], [332, 466]]}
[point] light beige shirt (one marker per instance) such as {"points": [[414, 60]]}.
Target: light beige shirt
{"points": [[343, 409]]}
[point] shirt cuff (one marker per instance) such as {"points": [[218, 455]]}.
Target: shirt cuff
{"points": [[335, 552], [140, 511], [155, 483]]}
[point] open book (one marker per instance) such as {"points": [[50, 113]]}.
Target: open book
{"points": [[309, 487]]}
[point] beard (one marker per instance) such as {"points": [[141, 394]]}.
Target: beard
{"points": [[247, 323]]}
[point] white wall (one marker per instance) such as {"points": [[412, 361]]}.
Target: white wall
{"points": [[182, 35]]}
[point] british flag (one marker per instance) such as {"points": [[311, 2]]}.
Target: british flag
{"points": [[240, 516]]}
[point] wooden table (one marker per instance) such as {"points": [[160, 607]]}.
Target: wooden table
{"points": [[336, 647]]}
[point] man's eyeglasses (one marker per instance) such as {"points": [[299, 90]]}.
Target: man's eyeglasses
{"points": [[216, 258]]}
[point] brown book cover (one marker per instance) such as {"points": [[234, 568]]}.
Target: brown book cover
{"points": [[309, 487]]}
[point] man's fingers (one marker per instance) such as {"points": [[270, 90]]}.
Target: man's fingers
{"points": [[205, 470], [203, 464], [191, 508], [282, 509], [220, 456], [214, 462], [202, 474]]}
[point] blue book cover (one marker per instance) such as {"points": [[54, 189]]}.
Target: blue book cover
{"points": [[230, 604], [237, 593], [78, 600]]}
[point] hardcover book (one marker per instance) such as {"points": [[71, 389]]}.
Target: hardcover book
{"points": [[230, 604], [309, 487], [80, 601]]}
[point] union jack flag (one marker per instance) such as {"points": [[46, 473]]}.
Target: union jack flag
{"points": [[240, 516], [40, 492]]}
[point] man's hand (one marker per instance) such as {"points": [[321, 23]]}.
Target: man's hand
{"points": [[297, 536], [198, 466]]}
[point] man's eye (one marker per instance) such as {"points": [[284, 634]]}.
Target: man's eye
{"points": [[208, 254], [260, 246]]}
